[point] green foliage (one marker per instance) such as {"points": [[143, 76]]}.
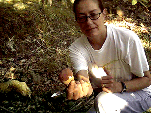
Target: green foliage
{"points": [[134, 2]]}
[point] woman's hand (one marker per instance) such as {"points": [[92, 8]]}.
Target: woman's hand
{"points": [[109, 85], [79, 89], [138, 83]]}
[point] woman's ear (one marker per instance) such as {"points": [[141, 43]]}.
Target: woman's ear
{"points": [[105, 13]]}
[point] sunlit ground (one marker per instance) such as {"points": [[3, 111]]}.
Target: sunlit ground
{"points": [[20, 6], [130, 24]]}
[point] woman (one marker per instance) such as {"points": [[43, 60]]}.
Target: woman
{"points": [[118, 50]]}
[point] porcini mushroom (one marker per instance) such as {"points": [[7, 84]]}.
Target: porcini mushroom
{"points": [[66, 76]]}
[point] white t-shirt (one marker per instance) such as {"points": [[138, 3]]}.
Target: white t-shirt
{"points": [[122, 54]]}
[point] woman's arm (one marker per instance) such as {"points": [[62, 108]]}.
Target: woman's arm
{"points": [[139, 83], [132, 85]]}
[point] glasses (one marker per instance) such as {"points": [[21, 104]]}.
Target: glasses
{"points": [[84, 18]]}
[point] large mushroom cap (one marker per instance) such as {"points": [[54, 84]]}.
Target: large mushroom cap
{"points": [[66, 76]]}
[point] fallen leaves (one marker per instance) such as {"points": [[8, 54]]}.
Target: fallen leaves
{"points": [[10, 74], [20, 87]]}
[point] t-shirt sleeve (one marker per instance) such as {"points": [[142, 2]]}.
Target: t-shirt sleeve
{"points": [[136, 57], [78, 60]]}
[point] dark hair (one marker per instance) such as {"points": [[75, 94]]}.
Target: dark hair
{"points": [[76, 2]]}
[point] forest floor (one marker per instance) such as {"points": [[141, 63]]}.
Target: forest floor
{"points": [[34, 43]]}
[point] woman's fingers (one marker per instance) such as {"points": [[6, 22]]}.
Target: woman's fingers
{"points": [[107, 81], [107, 85], [109, 76], [106, 90], [107, 71]]}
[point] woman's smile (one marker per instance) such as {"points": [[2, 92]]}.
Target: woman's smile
{"points": [[90, 29]]}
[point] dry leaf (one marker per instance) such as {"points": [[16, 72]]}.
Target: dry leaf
{"points": [[12, 69], [20, 87]]}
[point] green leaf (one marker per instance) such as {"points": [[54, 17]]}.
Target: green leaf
{"points": [[134, 2]]}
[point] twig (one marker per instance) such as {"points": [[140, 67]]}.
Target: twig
{"points": [[92, 98], [6, 109], [144, 5], [78, 106], [74, 107]]}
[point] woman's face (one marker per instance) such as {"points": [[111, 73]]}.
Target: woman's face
{"points": [[90, 27]]}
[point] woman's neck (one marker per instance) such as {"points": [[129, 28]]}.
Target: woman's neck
{"points": [[98, 41]]}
